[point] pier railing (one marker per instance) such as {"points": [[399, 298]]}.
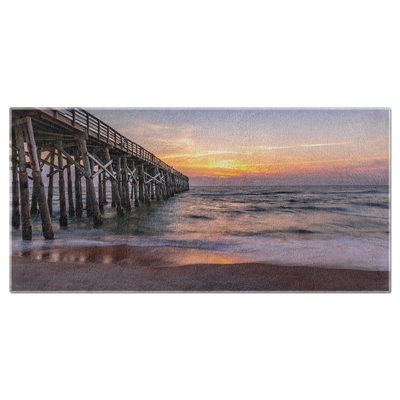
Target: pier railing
{"points": [[100, 130]]}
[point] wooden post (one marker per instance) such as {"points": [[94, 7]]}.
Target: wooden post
{"points": [[34, 202], [78, 188], [125, 186], [114, 187], [135, 186], [88, 204], [140, 170], [169, 183], [104, 188], [97, 219], [100, 190], [136, 194], [146, 193], [38, 182], [122, 190], [50, 187], [128, 197], [61, 190], [164, 186], [133, 180], [152, 184], [119, 177], [158, 186], [146, 189], [89, 211], [71, 208], [113, 204], [23, 186], [113, 191], [161, 189], [158, 190], [172, 190], [15, 184]]}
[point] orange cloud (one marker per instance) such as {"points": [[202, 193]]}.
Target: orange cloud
{"points": [[232, 167]]}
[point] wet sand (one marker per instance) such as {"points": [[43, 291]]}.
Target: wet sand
{"points": [[144, 269]]}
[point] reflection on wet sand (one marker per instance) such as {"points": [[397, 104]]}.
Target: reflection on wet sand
{"points": [[130, 256]]}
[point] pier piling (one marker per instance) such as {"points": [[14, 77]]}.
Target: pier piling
{"points": [[71, 208], [78, 189], [50, 187], [114, 186], [34, 202], [90, 189], [61, 189], [23, 186], [104, 188], [141, 182], [38, 186], [125, 186], [67, 134], [15, 185], [100, 192]]}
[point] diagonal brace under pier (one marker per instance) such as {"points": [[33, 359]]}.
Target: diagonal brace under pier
{"points": [[104, 167], [70, 159]]}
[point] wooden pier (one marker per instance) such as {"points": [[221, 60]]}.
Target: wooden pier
{"points": [[72, 139]]}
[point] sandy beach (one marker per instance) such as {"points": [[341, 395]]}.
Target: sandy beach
{"points": [[141, 269]]}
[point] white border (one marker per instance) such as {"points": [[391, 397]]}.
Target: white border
{"points": [[226, 54]]}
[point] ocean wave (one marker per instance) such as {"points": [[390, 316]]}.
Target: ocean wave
{"points": [[235, 194], [301, 231], [194, 216], [233, 212], [374, 192], [335, 209], [256, 209], [277, 232], [378, 205], [267, 223], [313, 208]]}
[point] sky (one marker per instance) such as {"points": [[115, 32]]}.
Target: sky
{"points": [[263, 146]]}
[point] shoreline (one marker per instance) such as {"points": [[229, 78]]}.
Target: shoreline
{"points": [[125, 268]]}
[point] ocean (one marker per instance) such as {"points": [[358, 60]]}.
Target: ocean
{"points": [[322, 226]]}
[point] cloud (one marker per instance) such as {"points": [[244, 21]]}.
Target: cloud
{"points": [[323, 144], [162, 139], [300, 145], [351, 127], [201, 154]]}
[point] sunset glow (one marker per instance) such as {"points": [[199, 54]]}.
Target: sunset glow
{"points": [[272, 146]]}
